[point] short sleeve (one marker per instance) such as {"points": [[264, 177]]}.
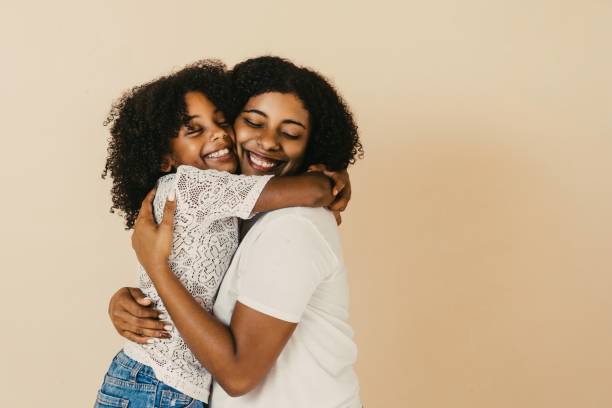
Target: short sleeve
{"points": [[210, 195], [283, 268]]}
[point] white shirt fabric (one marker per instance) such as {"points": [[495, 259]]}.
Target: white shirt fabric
{"points": [[205, 238], [290, 266]]}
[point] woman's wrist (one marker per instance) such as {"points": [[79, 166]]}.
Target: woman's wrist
{"points": [[158, 268]]}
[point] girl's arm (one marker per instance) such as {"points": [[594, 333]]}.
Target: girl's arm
{"points": [[306, 190], [210, 195], [312, 189]]}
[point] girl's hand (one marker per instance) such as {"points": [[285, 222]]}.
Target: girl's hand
{"points": [[152, 242], [341, 189], [134, 318]]}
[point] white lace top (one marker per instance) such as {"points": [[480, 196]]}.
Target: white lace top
{"points": [[205, 239]]}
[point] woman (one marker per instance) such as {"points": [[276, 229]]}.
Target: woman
{"points": [[281, 337]]}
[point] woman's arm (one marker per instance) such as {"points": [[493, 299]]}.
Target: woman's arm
{"points": [[238, 356]]}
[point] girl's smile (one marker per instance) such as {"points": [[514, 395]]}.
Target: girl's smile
{"points": [[205, 140]]}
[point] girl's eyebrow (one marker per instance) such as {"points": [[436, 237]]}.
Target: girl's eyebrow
{"points": [[295, 122], [189, 117]]}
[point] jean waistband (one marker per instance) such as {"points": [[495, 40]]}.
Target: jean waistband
{"points": [[136, 367]]}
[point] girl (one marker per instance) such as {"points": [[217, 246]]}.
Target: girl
{"points": [[176, 125]]}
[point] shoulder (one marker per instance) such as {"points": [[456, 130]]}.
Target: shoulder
{"points": [[319, 219], [315, 215], [185, 170], [165, 184], [188, 173], [307, 226]]}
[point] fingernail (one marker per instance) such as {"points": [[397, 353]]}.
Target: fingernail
{"points": [[163, 316], [165, 335], [171, 195], [168, 327], [335, 192], [151, 341], [147, 299]]}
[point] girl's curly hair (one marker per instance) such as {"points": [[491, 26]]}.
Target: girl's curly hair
{"points": [[334, 140], [143, 120]]}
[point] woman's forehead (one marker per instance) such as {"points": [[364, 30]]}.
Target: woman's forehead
{"points": [[276, 105]]}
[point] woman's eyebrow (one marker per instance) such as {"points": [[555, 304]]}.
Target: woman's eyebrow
{"points": [[295, 122], [256, 111]]}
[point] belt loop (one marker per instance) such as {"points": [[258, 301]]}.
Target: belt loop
{"points": [[134, 372]]}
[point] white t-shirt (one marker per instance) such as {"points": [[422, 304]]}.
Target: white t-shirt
{"points": [[290, 266]]}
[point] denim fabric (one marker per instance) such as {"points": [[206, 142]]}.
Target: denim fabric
{"points": [[129, 384]]}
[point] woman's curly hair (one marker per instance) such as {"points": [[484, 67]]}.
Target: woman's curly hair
{"points": [[334, 140], [143, 120]]}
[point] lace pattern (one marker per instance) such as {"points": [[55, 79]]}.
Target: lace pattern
{"points": [[208, 203]]}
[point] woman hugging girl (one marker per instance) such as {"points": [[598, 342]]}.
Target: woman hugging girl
{"points": [[172, 134]]}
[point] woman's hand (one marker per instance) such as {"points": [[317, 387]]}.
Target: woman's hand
{"points": [[134, 318], [152, 242], [341, 189]]}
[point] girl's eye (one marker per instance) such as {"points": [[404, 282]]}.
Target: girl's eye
{"points": [[252, 124], [223, 124], [193, 131]]}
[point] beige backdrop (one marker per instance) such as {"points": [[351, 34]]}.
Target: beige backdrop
{"points": [[479, 237]]}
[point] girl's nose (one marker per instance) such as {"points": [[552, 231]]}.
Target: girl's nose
{"points": [[219, 133]]}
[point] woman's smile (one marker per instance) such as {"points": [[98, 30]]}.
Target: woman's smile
{"points": [[272, 132], [261, 162]]}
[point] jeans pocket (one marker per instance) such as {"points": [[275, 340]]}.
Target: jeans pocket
{"points": [[104, 400]]}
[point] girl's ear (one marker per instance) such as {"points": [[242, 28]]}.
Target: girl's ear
{"points": [[167, 163]]}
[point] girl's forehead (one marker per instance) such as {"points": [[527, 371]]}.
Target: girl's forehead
{"points": [[198, 104]]}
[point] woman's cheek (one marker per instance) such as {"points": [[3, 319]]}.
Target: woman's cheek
{"points": [[296, 150], [244, 134]]}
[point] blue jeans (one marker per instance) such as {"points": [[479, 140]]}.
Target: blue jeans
{"points": [[131, 384]]}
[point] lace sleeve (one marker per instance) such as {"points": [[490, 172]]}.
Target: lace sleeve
{"points": [[212, 195]]}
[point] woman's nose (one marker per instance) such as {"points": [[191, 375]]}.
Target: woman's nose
{"points": [[268, 141]]}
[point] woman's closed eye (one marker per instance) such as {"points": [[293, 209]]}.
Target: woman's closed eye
{"points": [[291, 135]]}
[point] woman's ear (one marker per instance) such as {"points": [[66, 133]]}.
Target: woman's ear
{"points": [[167, 163]]}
